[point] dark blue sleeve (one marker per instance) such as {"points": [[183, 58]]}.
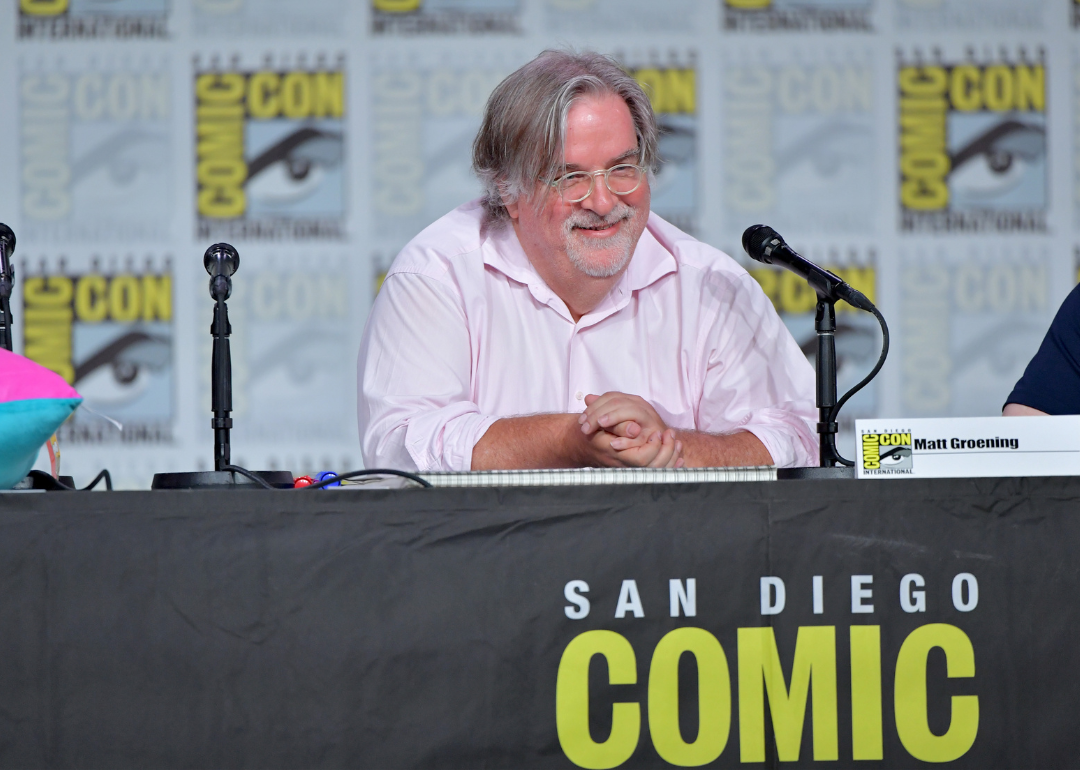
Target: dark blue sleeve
{"points": [[1051, 382]]}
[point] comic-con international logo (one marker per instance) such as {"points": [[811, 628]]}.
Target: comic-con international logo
{"points": [[445, 17], [886, 453], [798, 138], [270, 153], [798, 15], [89, 19], [972, 150], [95, 149], [673, 93], [109, 334]]}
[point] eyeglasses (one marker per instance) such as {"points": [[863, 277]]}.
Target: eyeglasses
{"points": [[622, 179]]}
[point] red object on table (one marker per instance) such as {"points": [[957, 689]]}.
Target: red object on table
{"points": [[302, 481]]}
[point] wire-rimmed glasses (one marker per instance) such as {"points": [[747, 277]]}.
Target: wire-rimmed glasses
{"points": [[621, 179]]}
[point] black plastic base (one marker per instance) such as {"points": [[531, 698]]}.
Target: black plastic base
{"points": [[842, 472], [42, 480], [220, 480]]}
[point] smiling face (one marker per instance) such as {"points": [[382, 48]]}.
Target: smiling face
{"points": [[594, 238]]}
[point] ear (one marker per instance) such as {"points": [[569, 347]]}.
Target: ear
{"points": [[513, 209]]}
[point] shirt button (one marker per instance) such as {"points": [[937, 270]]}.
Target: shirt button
{"points": [[579, 395]]}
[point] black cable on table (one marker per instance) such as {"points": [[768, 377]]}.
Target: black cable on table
{"points": [[370, 472]]}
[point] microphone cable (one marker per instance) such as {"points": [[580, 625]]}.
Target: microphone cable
{"points": [[332, 479], [861, 384]]}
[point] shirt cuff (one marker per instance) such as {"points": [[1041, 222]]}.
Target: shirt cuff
{"points": [[787, 450], [443, 440]]}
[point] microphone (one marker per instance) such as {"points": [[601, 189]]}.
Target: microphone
{"points": [[7, 241], [764, 244], [221, 260], [7, 281]]}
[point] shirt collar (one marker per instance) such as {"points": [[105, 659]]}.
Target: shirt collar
{"points": [[502, 250]]}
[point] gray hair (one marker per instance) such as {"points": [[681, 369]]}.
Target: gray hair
{"points": [[523, 132]]}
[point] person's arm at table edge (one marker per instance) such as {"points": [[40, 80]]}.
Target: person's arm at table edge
{"points": [[716, 450], [1019, 410], [530, 441], [556, 441]]}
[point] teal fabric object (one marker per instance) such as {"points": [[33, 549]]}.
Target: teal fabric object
{"points": [[25, 426]]}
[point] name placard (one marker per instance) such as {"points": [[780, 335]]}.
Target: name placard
{"points": [[965, 447]]}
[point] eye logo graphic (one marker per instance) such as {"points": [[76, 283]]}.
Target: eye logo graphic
{"points": [[270, 152], [798, 15], [109, 335], [973, 148], [90, 19], [445, 17], [886, 453], [798, 144]]}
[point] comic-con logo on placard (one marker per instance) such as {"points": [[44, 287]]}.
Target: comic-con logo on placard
{"points": [[445, 17], [270, 150], [95, 149], [672, 89], [798, 15], [107, 331], [886, 453], [91, 19], [972, 150]]}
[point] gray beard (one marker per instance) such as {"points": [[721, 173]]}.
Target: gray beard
{"points": [[617, 249]]}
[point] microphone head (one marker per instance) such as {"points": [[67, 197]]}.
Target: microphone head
{"points": [[221, 259], [755, 238], [7, 238]]}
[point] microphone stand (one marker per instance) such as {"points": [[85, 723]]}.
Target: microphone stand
{"points": [[829, 466], [221, 261], [7, 283], [221, 372], [827, 427]]}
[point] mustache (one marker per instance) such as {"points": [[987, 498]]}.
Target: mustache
{"points": [[586, 218]]}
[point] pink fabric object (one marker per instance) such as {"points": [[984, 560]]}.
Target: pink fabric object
{"points": [[464, 331], [21, 379]]}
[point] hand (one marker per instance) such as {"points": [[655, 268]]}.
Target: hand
{"points": [[631, 418], [659, 450]]}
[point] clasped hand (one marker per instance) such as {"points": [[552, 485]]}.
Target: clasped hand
{"points": [[625, 430]]}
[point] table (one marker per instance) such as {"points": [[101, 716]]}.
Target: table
{"points": [[444, 627]]}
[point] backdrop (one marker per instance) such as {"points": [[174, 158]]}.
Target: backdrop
{"points": [[924, 149]]}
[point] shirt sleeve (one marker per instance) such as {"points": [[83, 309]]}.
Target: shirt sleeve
{"points": [[1051, 382], [413, 374], [756, 377]]}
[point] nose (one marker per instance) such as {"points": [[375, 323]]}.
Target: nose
{"points": [[601, 201]]}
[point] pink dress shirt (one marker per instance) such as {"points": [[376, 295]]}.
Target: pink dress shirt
{"points": [[464, 332]]}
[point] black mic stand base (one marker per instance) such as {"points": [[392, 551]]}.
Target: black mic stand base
{"points": [[836, 472], [220, 480]]}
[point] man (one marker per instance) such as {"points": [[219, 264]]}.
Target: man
{"points": [[1051, 382], [557, 323]]}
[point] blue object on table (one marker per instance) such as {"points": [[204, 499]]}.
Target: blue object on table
{"points": [[322, 475]]}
